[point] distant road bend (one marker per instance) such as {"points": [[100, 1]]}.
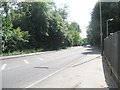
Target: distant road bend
{"points": [[24, 71]]}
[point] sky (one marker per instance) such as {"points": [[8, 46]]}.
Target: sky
{"points": [[79, 11]]}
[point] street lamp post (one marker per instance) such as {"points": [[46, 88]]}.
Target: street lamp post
{"points": [[101, 34], [107, 25]]}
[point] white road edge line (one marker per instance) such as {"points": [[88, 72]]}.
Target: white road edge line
{"points": [[50, 75], [44, 78], [3, 67], [26, 61]]}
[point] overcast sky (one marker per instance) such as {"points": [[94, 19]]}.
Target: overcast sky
{"points": [[79, 11]]}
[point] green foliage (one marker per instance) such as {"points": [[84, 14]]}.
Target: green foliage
{"points": [[12, 39], [55, 31], [72, 38], [74, 26], [63, 12], [37, 25], [84, 41], [25, 51]]}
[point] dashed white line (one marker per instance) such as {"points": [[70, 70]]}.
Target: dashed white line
{"points": [[26, 61], [3, 67]]}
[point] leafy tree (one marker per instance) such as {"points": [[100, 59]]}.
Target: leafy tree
{"points": [[75, 26], [63, 12], [36, 15], [72, 38], [12, 39], [109, 10], [84, 41], [36, 25], [55, 31]]}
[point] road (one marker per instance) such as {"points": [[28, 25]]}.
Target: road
{"points": [[24, 71]]}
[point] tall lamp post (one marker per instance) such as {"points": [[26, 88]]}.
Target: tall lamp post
{"points": [[107, 25], [101, 34]]}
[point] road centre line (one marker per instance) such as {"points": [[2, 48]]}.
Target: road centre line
{"points": [[26, 61], [3, 67]]}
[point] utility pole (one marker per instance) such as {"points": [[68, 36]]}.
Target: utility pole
{"points": [[101, 34]]}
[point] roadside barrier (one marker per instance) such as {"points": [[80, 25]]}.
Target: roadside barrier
{"points": [[112, 54]]}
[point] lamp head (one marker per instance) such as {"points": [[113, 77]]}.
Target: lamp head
{"points": [[111, 19]]}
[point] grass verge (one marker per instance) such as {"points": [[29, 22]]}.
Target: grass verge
{"points": [[27, 51], [23, 52]]}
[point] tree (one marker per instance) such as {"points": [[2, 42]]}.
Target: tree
{"points": [[46, 24], [109, 10], [63, 12], [37, 25], [84, 41], [12, 38]]}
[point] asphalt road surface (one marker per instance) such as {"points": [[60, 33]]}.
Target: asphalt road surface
{"points": [[24, 71]]}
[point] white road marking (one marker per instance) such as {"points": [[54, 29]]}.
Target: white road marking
{"points": [[43, 79], [3, 67], [26, 61]]}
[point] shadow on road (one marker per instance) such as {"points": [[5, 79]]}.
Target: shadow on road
{"points": [[91, 51]]}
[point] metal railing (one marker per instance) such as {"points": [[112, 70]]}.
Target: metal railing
{"points": [[112, 53]]}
